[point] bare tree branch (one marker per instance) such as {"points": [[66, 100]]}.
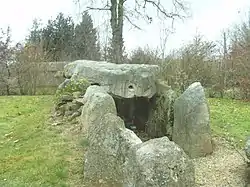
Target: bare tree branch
{"points": [[119, 11], [134, 25], [96, 8], [162, 9]]}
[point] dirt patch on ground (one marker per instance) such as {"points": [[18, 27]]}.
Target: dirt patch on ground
{"points": [[224, 168]]}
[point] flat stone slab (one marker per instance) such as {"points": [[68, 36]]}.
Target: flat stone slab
{"points": [[124, 80]]}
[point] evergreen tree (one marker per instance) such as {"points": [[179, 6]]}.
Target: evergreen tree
{"points": [[57, 38], [86, 45], [34, 36], [61, 40]]}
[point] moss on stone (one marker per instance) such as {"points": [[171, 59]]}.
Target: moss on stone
{"points": [[161, 119], [73, 86]]}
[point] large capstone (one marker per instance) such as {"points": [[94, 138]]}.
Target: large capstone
{"points": [[124, 80], [191, 128]]}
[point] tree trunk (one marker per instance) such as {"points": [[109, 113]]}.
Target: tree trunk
{"points": [[8, 78], [116, 21]]}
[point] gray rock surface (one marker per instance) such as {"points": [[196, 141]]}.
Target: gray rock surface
{"points": [[159, 163], [93, 89], [161, 118], [125, 80], [248, 175], [73, 106], [108, 146], [191, 128], [97, 103], [66, 98], [77, 94], [64, 84], [247, 147], [67, 105], [117, 157]]}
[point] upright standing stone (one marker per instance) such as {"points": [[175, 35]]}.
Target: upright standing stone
{"points": [[97, 103], [108, 139], [108, 146], [191, 122]]}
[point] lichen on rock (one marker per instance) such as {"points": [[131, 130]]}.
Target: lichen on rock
{"points": [[68, 102], [124, 80], [161, 118], [158, 162], [191, 128], [73, 86], [97, 103], [116, 154]]}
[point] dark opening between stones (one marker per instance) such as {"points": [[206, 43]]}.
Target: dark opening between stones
{"points": [[135, 113], [97, 84], [130, 87]]}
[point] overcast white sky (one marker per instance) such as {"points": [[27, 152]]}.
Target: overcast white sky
{"points": [[208, 17]]}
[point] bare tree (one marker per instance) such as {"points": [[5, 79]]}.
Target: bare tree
{"points": [[164, 34], [119, 12], [28, 68], [144, 55], [6, 58], [239, 54], [193, 62]]}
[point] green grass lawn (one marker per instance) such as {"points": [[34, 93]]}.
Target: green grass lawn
{"points": [[230, 119], [34, 153]]}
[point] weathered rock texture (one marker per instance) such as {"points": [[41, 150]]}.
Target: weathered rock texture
{"points": [[69, 106], [69, 99], [248, 175], [108, 144], [247, 148], [158, 163], [116, 155], [97, 103], [161, 118], [124, 80], [191, 122], [151, 111], [108, 138]]}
